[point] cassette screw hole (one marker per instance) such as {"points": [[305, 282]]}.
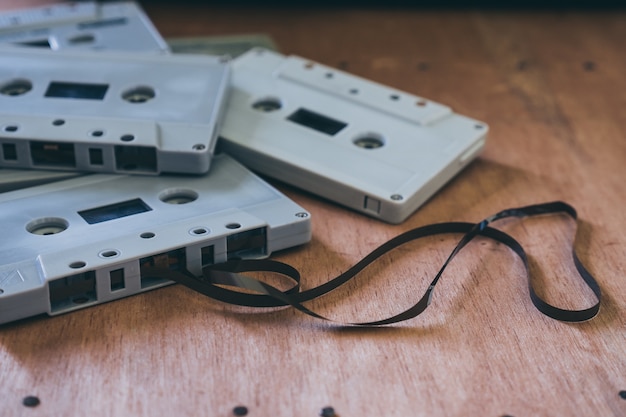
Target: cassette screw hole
{"points": [[309, 65], [477, 126], [58, 122], [139, 94], [397, 197], [1, 291], [622, 394], [200, 231], [267, 104], [329, 75], [97, 133], [302, 215], [198, 147], [233, 226], [127, 138], [11, 128], [354, 91], [421, 103], [77, 265], [147, 235], [394, 97], [16, 88]]}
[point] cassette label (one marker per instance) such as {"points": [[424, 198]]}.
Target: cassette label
{"points": [[84, 25], [86, 240], [372, 148], [110, 111]]}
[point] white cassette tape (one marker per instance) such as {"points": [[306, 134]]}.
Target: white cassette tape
{"points": [[84, 25], [110, 111], [84, 241], [372, 148]]}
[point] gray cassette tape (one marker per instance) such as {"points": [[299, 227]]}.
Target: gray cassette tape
{"points": [[84, 25], [84, 241], [109, 111], [377, 150]]}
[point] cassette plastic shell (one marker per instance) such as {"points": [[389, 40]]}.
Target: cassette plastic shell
{"points": [[173, 131], [424, 144], [85, 25], [14, 179], [231, 201]]}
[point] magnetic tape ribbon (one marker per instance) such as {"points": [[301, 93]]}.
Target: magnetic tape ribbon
{"points": [[216, 277]]}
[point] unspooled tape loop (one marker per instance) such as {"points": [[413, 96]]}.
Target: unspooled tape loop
{"points": [[216, 279]]}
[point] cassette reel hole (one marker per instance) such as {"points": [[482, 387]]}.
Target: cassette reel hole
{"points": [[77, 265], [47, 226], [139, 94], [267, 104], [178, 196], [16, 87], [369, 141], [147, 235]]}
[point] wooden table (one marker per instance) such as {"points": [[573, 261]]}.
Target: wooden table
{"points": [[552, 87]]}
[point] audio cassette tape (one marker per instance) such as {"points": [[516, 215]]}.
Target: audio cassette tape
{"points": [[110, 111], [85, 241], [377, 150], [84, 25]]}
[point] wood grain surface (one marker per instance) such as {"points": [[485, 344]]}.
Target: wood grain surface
{"points": [[552, 87]]}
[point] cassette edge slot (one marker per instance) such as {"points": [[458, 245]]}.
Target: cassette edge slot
{"points": [[56, 155]]}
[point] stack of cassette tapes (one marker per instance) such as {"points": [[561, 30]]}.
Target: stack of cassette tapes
{"points": [[108, 165]]}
